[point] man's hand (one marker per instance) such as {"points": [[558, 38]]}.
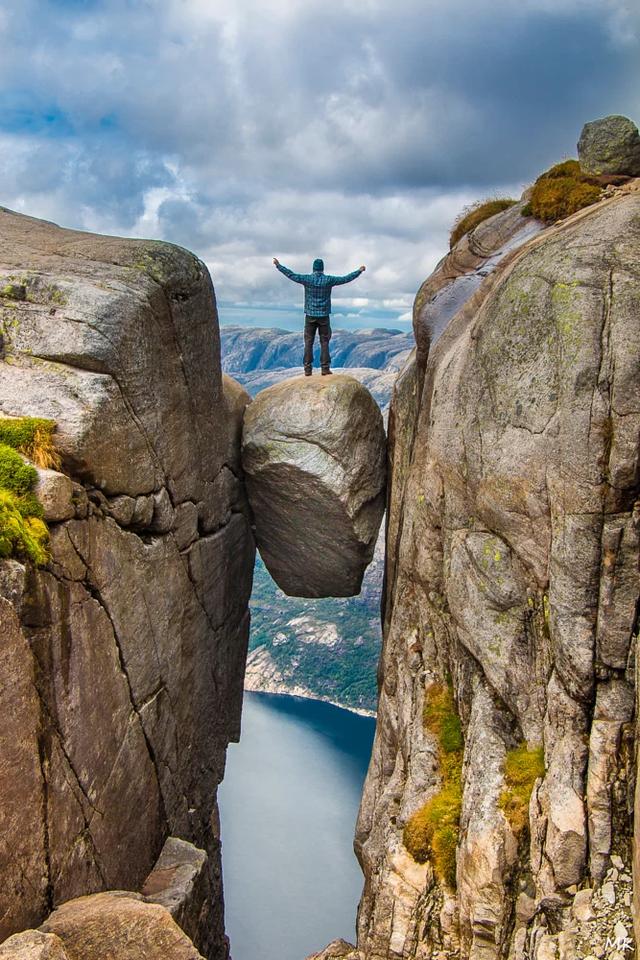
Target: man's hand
{"points": [[276, 262], [362, 268]]}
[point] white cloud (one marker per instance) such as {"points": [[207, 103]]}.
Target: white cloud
{"points": [[287, 128]]}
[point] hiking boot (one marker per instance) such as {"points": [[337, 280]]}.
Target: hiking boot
{"points": [[327, 373], [307, 373]]}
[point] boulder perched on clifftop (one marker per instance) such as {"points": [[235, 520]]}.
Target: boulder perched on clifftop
{"points": [[314, 456], [610, 145]]}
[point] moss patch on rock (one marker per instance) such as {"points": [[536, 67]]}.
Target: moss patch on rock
{"points": [[433, 830], [32, 436], [13, 291], [521, 770], [440, 717], [475, 214], [21, 534], [15, 475], [561, 191]]}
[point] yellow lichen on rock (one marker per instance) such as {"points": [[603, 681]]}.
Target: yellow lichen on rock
{"points": [[433, 830]]}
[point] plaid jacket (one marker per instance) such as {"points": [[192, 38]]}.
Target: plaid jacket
{"points": [[317, 289]]}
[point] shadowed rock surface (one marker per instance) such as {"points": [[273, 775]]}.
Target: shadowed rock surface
{"points": [[610, 146], [512, 570], [314, 458], [124, 656]]}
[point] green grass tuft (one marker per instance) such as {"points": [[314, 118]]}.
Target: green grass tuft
{"points": [[521, 770], [561, 191], [475, 214], [433, 830], [32, 436]]}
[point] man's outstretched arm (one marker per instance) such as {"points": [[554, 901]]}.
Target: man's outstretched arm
{"points": [[296, 277], [336, 281]]}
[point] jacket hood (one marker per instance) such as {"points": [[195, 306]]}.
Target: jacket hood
{"points": [[318, 265]]}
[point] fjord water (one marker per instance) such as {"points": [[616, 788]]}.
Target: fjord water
{"points": [[288, 806]]}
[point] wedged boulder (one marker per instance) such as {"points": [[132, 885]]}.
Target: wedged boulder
{"points": [[119, 924], [313, 452], [610, 145]]}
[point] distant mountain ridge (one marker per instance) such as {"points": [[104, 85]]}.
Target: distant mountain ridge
{"points": [[248, 349]]}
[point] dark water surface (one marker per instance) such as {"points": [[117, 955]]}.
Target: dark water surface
{"points": [[288, 806]]}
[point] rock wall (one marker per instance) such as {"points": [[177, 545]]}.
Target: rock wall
{"points": [[123, 658], [512, 574]]}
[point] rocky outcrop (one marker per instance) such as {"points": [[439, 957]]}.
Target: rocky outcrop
{"points": [[512, 574], [33, 945], [461, 272], [157, 923], [118, 924], [114, 924], [313, 453], [180, 882], [610, 146], [125, 654], [337, 950]]}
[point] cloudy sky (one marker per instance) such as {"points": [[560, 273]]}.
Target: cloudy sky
{"points": [[246, 129]]}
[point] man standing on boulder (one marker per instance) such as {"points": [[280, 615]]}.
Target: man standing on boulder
{"points": [[317, 307]]}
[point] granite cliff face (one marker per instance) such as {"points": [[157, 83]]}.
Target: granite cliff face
{"points": [[512, 588], [123, 657]]}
